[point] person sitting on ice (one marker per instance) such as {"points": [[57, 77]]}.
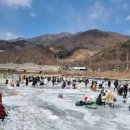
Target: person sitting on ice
{"points": [[69, 83], [102, 91], [99, 100], [89, 99], [120, 91], [85, 98], [103, 99], [109, 97], [100, 85], [3, 112], [12, 83], [6, 82], [74, 85], [60, 95]]}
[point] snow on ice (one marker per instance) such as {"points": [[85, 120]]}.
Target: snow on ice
{"points": [[41, 109]]}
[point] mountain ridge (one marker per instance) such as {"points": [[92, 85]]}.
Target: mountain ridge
{"points": [[63, 45]]}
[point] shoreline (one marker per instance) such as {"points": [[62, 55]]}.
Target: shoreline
{"points": [[102, 74]]}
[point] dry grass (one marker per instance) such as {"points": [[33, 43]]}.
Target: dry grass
{"points": [[103, 74], [80, 55], [111, 75]]}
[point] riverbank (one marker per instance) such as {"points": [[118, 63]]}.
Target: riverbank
{"points": [[125, 75]]}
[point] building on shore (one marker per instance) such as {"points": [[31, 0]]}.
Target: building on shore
{"points": [[78, 68]]}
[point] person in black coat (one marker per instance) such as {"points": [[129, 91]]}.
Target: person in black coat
{"points": [[27, 81], [53, 81], [34, 82], [120, 91], [68, 83], [6, 82], [99, 100], [109, 84], [125, 90], [86, 82], [63, 85], [116, 84]]}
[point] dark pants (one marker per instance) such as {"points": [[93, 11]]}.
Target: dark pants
{"points": [[124, 96]]}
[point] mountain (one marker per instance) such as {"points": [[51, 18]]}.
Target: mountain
{"points": [[113, 57], [23, 52], [91, 40], [48, 38], [72, 48]]}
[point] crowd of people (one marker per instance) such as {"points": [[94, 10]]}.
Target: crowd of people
{"points": [[105, 97], [122, 89], [43, 81]]}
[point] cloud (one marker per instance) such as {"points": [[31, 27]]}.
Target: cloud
{"points": [[128, 18], [32, 14], [127, 32], [17, 3], [8, 36], [88, 18], [121, 4], [125, 6], [98, 12], [74, 21]]}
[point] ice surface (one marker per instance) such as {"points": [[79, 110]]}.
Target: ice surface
{"points": [[41, 109]]}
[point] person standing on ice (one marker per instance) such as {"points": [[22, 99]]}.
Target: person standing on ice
{"points": [[125, 90], [116, 85], [63, 84], [109, 84], [26, 81], [86, 82], [53, 81], [45, 81]]}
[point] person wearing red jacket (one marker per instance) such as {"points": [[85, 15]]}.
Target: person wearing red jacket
{"points": [[3, 113]]}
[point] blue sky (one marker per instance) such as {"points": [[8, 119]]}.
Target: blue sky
{"points": [[29, 18]]}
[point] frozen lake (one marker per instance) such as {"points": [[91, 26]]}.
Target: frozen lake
{"points": [[41, 109]]}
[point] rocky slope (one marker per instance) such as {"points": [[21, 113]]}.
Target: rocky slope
{"points": [[47, 49]]}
